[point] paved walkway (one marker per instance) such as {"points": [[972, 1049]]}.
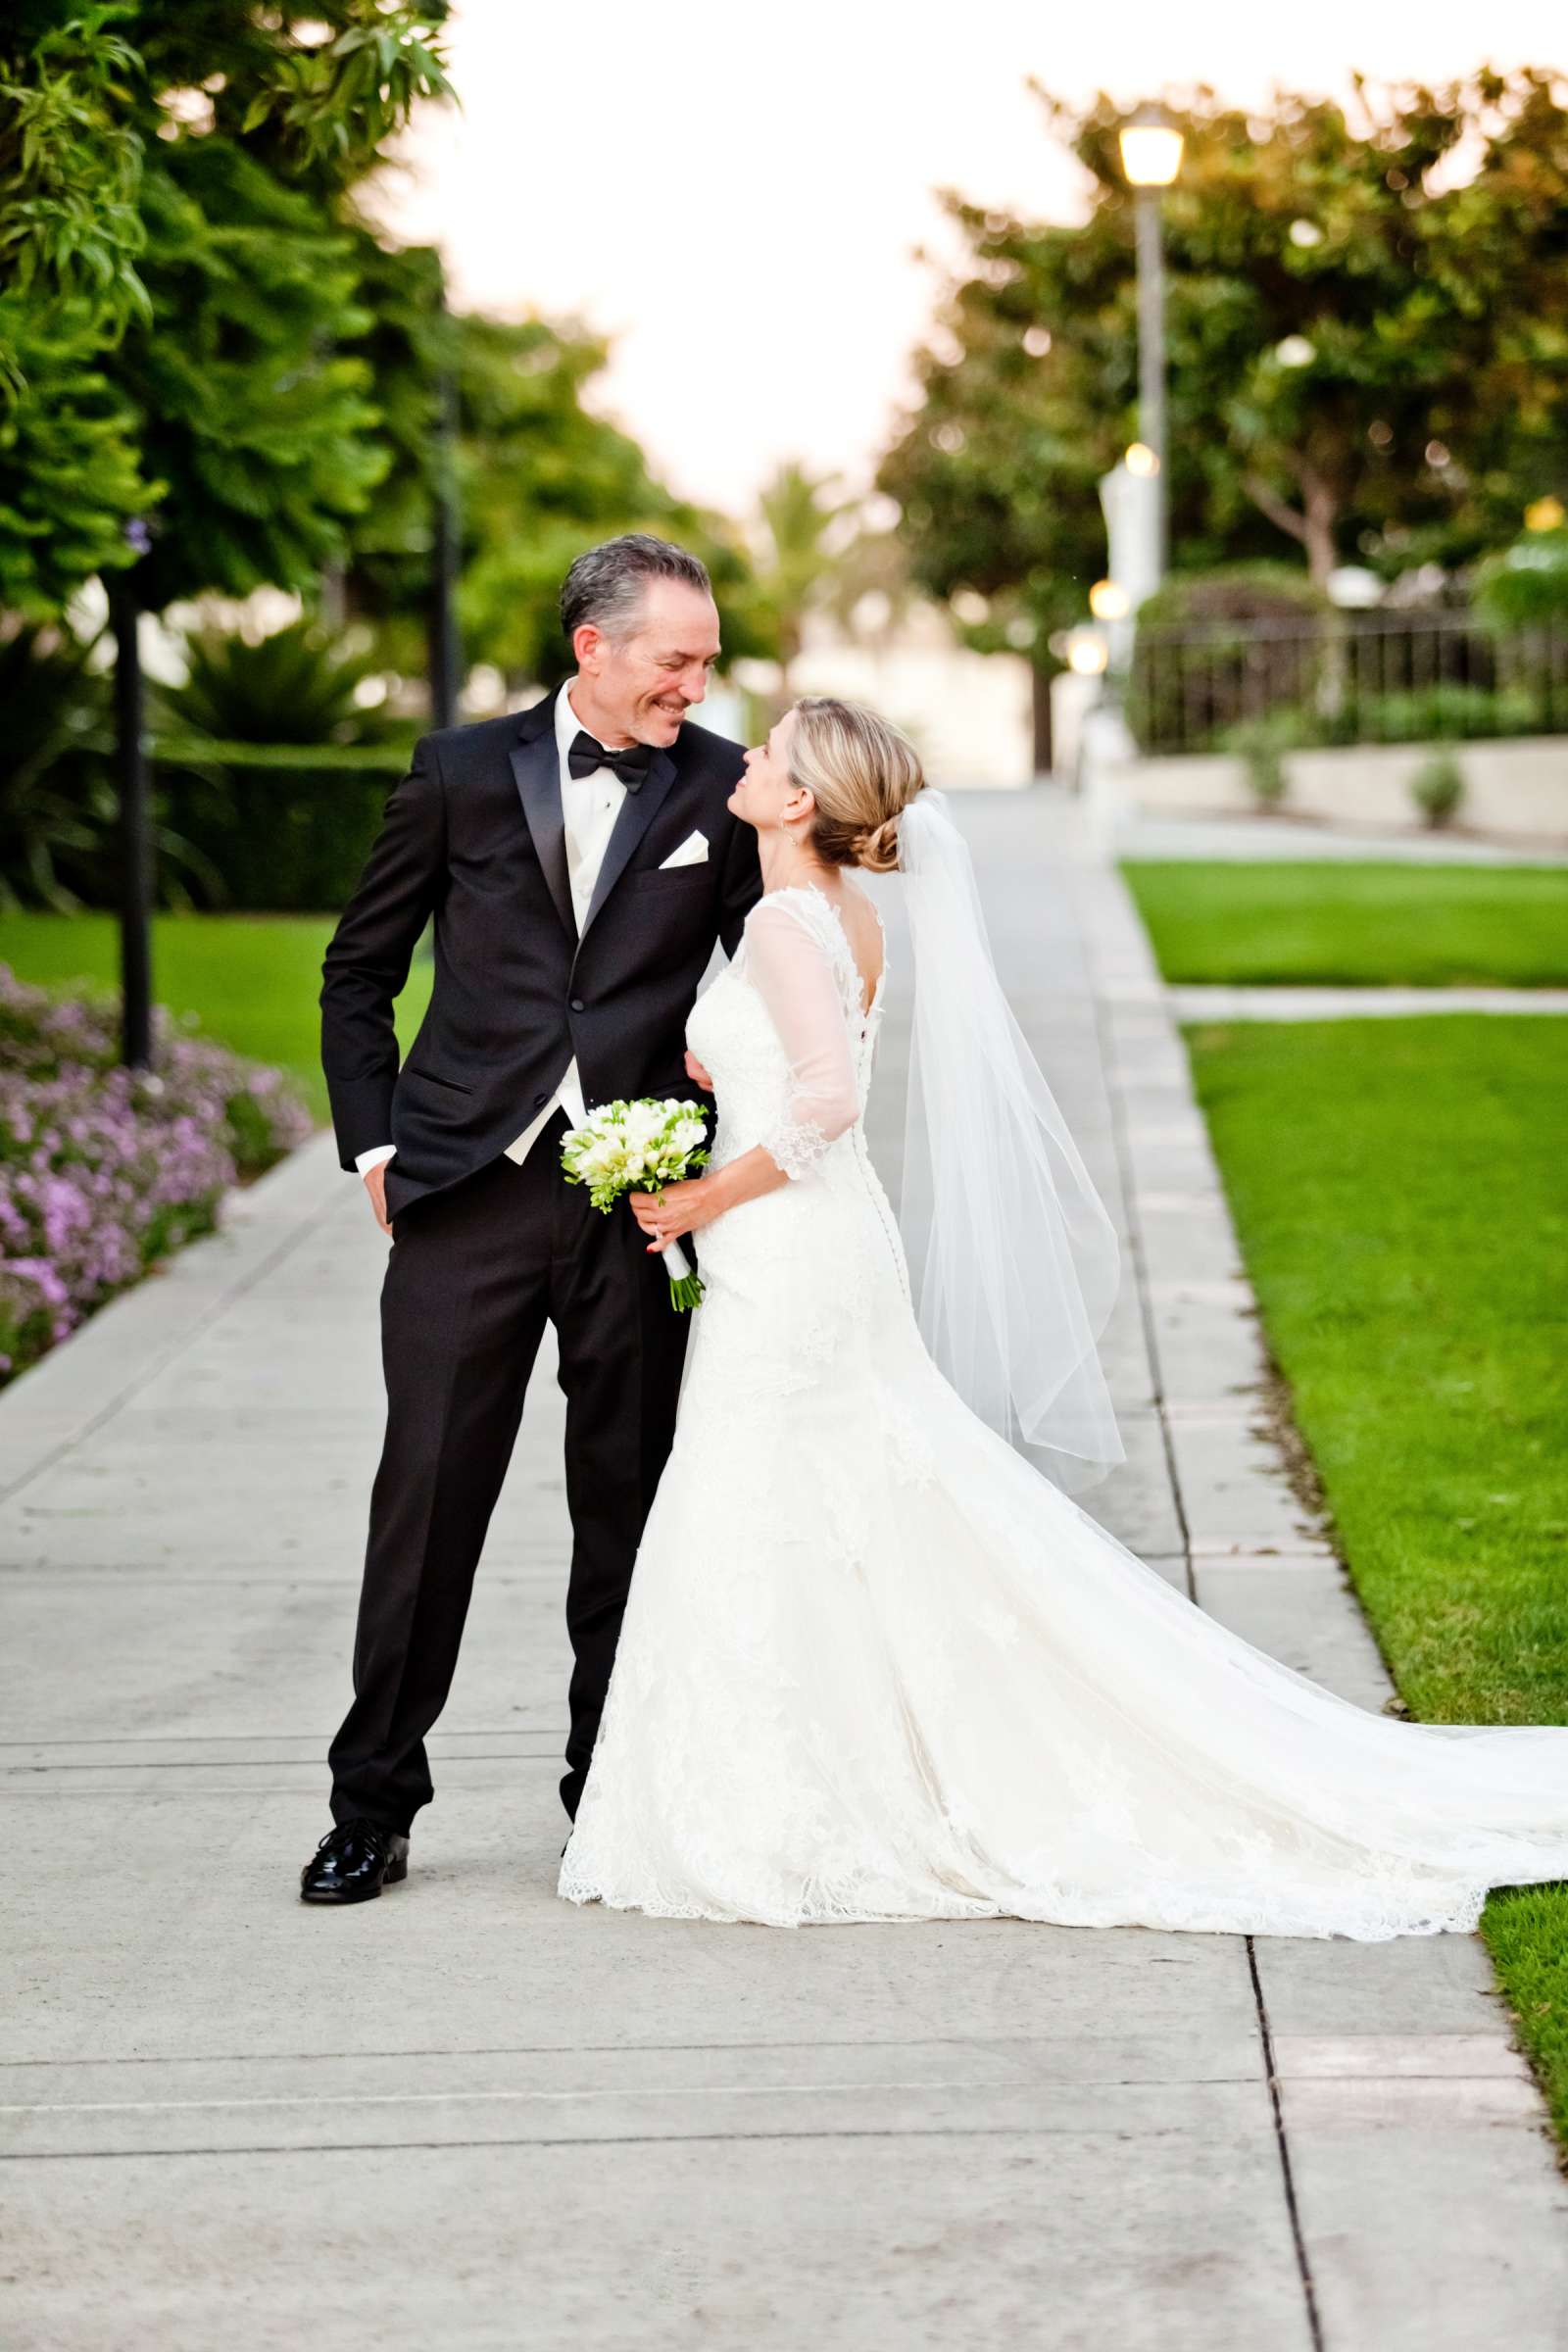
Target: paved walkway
{"points": [[1223, 839], [1212, 1003], [469, 2114]]}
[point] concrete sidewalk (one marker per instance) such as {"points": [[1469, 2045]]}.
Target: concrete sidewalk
{"points": [[1219, 1001], [469, 2114], [1245, 839]]}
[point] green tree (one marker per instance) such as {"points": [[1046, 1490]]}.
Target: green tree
{"points": [[410, 346], [256, 411], [540, 478], [71, 237], [175, 176], [73, 488], [71, 167], [796, 513], [995, 473], [1368, 350]]}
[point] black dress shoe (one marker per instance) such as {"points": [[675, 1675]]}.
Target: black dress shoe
{"points": [[354, 1861]]}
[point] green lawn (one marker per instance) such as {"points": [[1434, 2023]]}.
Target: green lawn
{"points": [[1373, 925], [1400, 1189], [251, 980]]}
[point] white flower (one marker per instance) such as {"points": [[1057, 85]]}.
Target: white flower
{"points": [[633, 1147], [646, 1125]]}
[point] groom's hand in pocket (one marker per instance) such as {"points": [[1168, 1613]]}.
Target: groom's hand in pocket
{"points": [[695, 1070], [374, 1180]]}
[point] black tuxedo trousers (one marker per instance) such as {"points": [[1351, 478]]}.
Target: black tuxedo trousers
{"points": [[474, 1274]]}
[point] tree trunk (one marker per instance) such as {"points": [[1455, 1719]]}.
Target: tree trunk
{"points": [[1040, 681], [136, 830], [1321, 554], [1312, 527]]}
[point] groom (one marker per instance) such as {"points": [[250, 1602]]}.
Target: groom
{"points": [[579, 861]]}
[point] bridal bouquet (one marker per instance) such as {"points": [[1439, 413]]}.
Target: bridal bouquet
{"points": [[640, 1147]]}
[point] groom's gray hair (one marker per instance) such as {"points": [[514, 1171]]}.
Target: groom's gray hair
{"points": [[607, 585]]}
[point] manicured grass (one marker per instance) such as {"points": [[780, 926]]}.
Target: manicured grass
{"points": [[1374, 925], [1400, 1190], [251, 980]]}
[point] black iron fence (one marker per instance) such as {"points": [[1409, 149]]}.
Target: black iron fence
{"points": [[1361, 677]]}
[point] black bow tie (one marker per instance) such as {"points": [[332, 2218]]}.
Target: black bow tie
{"points": [[630, 764]]}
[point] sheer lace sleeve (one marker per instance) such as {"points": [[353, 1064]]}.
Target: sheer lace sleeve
{"points": [[792, 965]]}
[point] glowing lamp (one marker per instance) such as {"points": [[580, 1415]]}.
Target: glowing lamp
{"points": [[1087, 652], [1151, 149]]}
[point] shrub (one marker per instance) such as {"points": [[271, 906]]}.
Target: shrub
{"points": [[299, 685], [55, 806], [1526, 585], [1214, 650], [1262, 745], [269, 780], [272, 771], [104, 1170], [32, 1298], [59, 808], [286, 836], [1438, 788], [1446, 711]]}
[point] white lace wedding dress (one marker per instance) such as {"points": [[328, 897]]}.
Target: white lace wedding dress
{"points": [[877, 1667]]}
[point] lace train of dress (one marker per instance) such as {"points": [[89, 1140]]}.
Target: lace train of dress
{"points": [[874, 1667]]}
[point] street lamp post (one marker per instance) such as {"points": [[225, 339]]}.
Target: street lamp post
{"points": [[1151, 156], [135, 825]]}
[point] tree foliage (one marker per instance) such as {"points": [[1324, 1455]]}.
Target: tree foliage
{"points": [[539, 475], [219, 373], [71, 167], [73, 480], [798, 513], [256, 408], [1525, 586], [1368, 344], [182, 306]]}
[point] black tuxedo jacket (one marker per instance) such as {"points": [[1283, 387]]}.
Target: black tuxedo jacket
{"points": [[474, 837]]}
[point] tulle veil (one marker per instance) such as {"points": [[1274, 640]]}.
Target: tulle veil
{"points": [[1013, 1257]]}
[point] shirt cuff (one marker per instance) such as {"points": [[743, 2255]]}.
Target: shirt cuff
{"points": [[365, 1162]]}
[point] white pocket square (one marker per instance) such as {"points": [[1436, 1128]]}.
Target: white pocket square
{"points": [[693, 851]]}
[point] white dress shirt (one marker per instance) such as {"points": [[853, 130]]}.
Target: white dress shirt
{"points": [[589, 806]]}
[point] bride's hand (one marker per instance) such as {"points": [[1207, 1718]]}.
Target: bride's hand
{"points": [[682, 1209]]}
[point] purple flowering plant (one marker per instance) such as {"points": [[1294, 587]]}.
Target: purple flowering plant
{"points": [[105, 1170]]}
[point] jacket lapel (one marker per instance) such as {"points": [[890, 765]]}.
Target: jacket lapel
{"points": [[637, 813], [537, 768]]}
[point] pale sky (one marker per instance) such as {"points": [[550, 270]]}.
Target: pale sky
{"points": [[735, 192]]}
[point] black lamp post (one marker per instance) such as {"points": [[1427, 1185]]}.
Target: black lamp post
{"points": [[135, 817]]}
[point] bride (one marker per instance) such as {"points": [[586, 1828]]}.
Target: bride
{"points": [[876, 1666]]}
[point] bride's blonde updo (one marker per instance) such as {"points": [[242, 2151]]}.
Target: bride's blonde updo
{"points": [[862, 772]]}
